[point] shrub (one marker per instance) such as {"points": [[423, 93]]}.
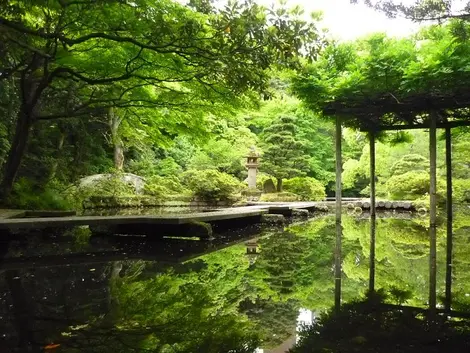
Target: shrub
{"points": [[280, 197], [27, 195], [164, 186], [309, 189], [411, 185], [461, 190], [211, 185]]}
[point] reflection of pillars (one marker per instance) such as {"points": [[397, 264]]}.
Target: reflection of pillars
{"points": [[372, 213], [338, 266], [432, 214], [448, 297], [372, 256], [338, 217]]}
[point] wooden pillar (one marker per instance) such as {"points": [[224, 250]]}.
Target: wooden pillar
{"points": [[448, 295], [339, 168], [372, 213], [372, 256], [339, 230], [432, 213], [372, 172]]}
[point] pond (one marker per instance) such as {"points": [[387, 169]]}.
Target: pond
{"points": [[249, 291]]}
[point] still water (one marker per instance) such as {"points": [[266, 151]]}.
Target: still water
{"points": [[254, 291]]}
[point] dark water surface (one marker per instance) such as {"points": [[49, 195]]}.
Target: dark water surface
{"points": [[250, 291]]}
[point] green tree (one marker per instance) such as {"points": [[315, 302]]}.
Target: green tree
{"points": [[79, 59], [422, 10], [284, 154]]}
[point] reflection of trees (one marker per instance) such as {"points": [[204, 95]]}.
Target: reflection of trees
{"points": [[275, 321], [401, 254], [219, 302]]}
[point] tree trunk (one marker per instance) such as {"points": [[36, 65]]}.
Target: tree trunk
{"points": [[279, 185], [118, 145], [17, 150], [60, 146]]}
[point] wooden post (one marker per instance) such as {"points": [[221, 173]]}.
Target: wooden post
{"points": [[339, 168], [448, 295], [372, 172], [432, 213], [372, 213], [339, 230]]}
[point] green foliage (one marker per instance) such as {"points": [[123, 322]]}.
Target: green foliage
{"points": [[168, 167], [284, 156], [316, 133], [461, 190], [27, 195], [163, 187], [410, 163], [410, 186], [309, 189], [211, 185], [381, 69], [164, 71], [280, 197]]}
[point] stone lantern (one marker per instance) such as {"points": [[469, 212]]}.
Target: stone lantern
{"points": [[251, 250], [252, 164]]}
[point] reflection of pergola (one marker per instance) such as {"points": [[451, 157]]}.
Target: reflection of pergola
{"points": [[385, 113]]}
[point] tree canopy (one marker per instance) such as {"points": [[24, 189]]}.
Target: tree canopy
{"points": [[63, 59], [387, 81], [422, 10]]}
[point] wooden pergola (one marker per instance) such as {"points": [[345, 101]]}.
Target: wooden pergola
{"points": [[387, 113]]}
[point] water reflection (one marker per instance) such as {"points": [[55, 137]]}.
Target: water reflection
{"points": [[243, 293]]}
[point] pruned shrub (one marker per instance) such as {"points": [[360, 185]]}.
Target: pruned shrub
{"points": [[411, 185], [163, 187], [309, 189], [211, 185], [461, 190], [280, 197], [29, 196]]}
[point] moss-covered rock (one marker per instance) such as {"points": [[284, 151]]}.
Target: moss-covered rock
{"points": [[280, 197]]}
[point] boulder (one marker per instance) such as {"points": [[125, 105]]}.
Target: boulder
{"points": [[132, 179], [299, 213], [269, 187], [273, 219]]}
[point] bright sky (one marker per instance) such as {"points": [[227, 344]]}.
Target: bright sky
{"points": [[346, 21]]}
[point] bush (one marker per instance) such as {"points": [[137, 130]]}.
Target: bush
{"points": [[29, 196], [411, 185], [163, 187], [280, 197], [309, 189], [211, 185], [461, 190]]}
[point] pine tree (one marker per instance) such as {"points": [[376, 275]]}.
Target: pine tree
{"points": [[284, 155]]}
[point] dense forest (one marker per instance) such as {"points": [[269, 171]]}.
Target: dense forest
{"points": [[96, 94]]}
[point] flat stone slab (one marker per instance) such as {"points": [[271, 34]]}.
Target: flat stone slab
{"points": [[7, 213], [51, 222]]}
